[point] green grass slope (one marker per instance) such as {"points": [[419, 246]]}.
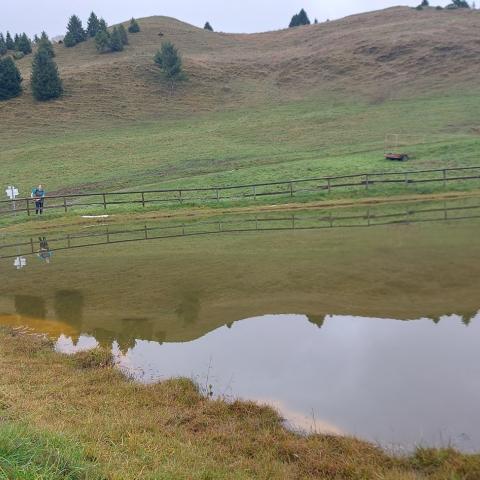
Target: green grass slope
{"points": [[315, 100]]}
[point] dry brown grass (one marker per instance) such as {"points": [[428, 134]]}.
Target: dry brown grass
{"points": [[170, 430]]}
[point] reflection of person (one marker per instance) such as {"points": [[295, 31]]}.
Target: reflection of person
{"points": [[38, 194], [44, 253]]}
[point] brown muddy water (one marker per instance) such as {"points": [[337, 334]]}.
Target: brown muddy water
{"points": [[361, 321]]}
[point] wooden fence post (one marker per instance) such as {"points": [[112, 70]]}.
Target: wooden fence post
{"points": [[143, 199], [65, 204], [366, 181], [218, 195], [254, 193], [444, 178], [329, 186], [180, 199], [104, 201], [291, 189], [28, 206]]}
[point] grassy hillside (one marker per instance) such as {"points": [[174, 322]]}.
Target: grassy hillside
{"points": [[314, 100]]}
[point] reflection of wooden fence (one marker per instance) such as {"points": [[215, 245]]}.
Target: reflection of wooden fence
{"points": [[369, 218], [287, 188]]}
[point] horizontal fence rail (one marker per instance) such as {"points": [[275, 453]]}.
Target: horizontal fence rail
{"points": [[286, 188], [108, 236]]}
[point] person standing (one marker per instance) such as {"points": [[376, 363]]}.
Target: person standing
{"points": [[38, 193]]}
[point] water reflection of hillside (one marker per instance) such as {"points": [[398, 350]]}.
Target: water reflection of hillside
{"points": [[177, 291]]}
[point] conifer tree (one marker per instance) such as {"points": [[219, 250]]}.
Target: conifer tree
{"points": [[16, 39], [93, 25], [69, 40], [123, 34], [134, 27], [9, 41], [303, 17], [46, 83], [102, 41], [116, 44], [102, 25], [75, 32], [24, 44], [45, 44], [3, 45], [10, 79], [170, 61], [300, 18], [208, 27], [36, 39]]}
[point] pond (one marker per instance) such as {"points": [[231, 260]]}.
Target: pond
{"points": [[352, 321]]}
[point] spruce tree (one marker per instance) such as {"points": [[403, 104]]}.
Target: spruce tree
{"points": [[16, 39], [45, 44], [3, 45], [134, 27], [36, 39], [300, 18], [102, 41], [9, 41], [75, 32], [93, 25], [170, 61], [46, 83], [10, 79], [24, 44], [102, 25], [303, 17], [123, 34], [116, 44], [425, 3], [69, 40], [208, 27]]}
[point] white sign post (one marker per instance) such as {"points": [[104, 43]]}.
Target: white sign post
{"points": [[12, 194]]}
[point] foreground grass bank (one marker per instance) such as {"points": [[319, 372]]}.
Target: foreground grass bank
{"points": [[86, 421]]}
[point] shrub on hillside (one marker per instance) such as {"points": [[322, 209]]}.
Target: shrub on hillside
{"points": [[116, 43], [299, 19], [134, 27], [46, 82], [123, 34], [208, 27], [102, 41], [170, 62], [18, 55], [10, 79]]}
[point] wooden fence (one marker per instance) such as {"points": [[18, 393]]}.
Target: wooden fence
{"points": [[287, 188], [370, 217]]}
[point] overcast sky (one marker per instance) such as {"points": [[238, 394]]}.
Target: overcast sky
{"points": [[33, 16]]}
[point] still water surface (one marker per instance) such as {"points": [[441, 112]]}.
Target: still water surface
{"points": [[366, 331]]}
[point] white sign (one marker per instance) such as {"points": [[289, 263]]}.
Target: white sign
{"points": [[12, 192], [20, 262]]}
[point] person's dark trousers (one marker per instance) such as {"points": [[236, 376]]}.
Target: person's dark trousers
{"points": [[39, 207]]}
